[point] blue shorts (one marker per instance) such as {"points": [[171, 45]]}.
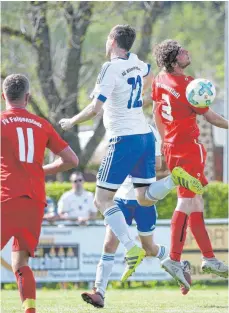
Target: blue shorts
{"points": [[128, 155], [145, 217]]}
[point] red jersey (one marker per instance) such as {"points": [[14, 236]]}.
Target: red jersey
{"points": [[24, 137], [177, 114]]}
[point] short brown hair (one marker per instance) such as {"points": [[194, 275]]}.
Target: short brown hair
{"points": [[15, 87], [165, 53], [124, 35], [77, 173]]}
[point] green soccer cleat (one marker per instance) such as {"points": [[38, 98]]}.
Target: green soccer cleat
{"points": [[133, 258], [181, 178]]}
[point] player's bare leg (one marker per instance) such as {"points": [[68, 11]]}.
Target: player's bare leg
{"points": [[149, 195], [190, 210], [25, 280], [104, 269], [210, 264], [116, 220], [152, 249]]}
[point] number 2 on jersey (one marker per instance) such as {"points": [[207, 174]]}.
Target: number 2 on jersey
{"points": [[21, 142], [135, 83], [166, 109]]}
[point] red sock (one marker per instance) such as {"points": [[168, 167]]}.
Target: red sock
{"points": [[179, 225], [27, 287], [197, 226]]}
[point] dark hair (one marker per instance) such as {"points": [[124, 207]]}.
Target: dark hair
{"points": [[165, 53], [15, 87], [124, 35]]}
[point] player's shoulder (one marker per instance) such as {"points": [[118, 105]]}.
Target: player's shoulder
{"points": [[189, 78], [3, 115], [107, 67], [133, 56], [159, 76], [135, 59]]}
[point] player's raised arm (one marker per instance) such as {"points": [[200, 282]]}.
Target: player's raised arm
{"points": [[103, 88], [216, 119], [86, 114]]}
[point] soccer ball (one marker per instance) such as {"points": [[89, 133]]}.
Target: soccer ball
{"points": [[200, 93]]}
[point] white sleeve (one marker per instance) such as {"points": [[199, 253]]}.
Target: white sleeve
{"points": [[145, 67], [105, 82], [61, 206]]}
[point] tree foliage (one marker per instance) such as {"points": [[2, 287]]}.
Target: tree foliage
{"points": [[60, 46]]}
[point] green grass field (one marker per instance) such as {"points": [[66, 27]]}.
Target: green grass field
{"points": [[163, 300]]}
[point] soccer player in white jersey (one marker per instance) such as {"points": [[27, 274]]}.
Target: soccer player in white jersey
{"points": [[145, 218], [131, 151]]}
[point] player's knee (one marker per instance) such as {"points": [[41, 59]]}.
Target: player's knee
{"points": [[19, 259], [17, 264], [144, 202], [198, 204]]}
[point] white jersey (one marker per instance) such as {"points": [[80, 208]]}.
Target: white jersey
{"points": [[76, 205], [126, 190], [119, 86]]}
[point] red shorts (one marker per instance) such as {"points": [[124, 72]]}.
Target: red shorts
{"points": [[191, 157], [21, 218]]}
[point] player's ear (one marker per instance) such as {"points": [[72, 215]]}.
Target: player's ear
{"points": [[3, 96], [113, 43]]}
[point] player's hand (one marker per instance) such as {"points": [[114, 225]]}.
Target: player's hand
{"points": [[66, 123]]}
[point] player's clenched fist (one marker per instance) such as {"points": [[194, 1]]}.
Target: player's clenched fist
{"points": [[66, 123]]}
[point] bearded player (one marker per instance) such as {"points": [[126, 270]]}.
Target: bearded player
{"points": [[24, 138], [176, 121]]}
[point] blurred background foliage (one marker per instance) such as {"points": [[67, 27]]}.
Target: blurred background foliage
{"points": [[60, 46]]}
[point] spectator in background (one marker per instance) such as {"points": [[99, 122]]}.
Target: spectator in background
{"points": [[77, 203], [50, 213]]}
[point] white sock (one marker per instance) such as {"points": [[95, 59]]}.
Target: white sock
{"points": [[163, 252], [116, 220], [160, 188], [104, 269]]}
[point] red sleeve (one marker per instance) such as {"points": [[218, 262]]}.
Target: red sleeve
{"points": [[55, 143]]}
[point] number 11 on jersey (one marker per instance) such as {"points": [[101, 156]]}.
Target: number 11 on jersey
{"points": [[30, 144]]}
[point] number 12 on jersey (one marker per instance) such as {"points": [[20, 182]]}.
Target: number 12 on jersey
{"points": [[136, 83], [30, 144]]}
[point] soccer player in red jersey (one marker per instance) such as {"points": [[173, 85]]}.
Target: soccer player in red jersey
{"points": [[176, 121], [24, 137]]}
